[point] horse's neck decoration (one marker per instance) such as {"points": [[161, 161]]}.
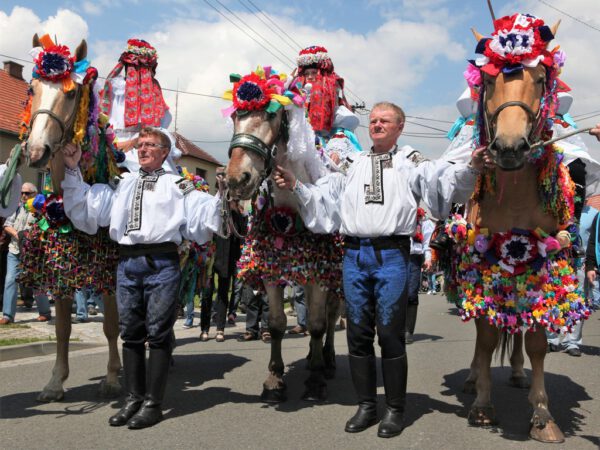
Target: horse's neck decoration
{"points": [[83, 124], [518, 45]]}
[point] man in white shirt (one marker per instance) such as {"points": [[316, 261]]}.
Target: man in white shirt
{"points": [[148, 214], [374, 205]]}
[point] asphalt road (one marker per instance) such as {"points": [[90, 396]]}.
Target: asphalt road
{"points": [[212, 400]]}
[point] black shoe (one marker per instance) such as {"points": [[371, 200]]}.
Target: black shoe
{"points": [[409, 338], [411, 321], [574, 351], [364, 379], [134, 373], [553, 348], [158, 370], [395, 371]]}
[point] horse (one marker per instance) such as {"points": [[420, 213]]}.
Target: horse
{"points": [[261, 140], [514, 241], [50, 126]]}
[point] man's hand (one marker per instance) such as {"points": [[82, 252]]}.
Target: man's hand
{"points": [[482, 159], [591, 276], [284, 179], [221, 182], [596, 131], [71, 155], [427, 265]]}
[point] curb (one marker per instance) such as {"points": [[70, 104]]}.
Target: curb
{"points": [[40, 349]]}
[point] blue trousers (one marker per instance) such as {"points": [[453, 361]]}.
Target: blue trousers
{"points": [[147, 288], [375, 287]]}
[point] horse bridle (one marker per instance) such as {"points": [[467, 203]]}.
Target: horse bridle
{"points": [[66, 126], [259, 147], [535, 118]]}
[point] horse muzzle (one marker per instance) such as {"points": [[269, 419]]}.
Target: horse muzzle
{"points": [[37, 155], [511, 156]]}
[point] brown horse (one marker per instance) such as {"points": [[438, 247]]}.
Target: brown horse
{"points": [[511, 105], [256, 135], [52, 118]]}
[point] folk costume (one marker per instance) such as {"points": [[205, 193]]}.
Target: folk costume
{"points": [[148, 215], [375, 205], [327, 109], [522, 279]]}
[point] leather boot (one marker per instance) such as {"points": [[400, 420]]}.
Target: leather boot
{"points": [[395, 372], [364, 378], [134, 372], [411, 322], [158, 370]]}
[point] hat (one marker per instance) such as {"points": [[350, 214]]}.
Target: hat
{"points": [[314, 56]]}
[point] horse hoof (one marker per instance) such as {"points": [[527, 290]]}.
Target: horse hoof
{"points": [[48, 396], [549, 434], [469, 387], [315, 394], [519, 382], [109, 390], [273, 396], [482, 416]]}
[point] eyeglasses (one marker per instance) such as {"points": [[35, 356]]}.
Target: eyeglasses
{"points": [[27, 193], [150, 145]]}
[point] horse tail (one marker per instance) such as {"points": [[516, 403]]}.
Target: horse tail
{"points": [[505, 346]]}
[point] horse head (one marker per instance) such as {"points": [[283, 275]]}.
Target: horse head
{"points": [[54, 101], [513, 91], [259, 129]]}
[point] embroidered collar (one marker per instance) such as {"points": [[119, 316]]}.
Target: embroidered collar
{"points": [[391, 152], [155, 173]]}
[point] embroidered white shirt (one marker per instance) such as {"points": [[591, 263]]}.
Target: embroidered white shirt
{"points": [[144, 208], [364, 205]]}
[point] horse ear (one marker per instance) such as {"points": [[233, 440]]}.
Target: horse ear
{"points": [[554, 28], [477, 34], [81, 51], [36, 41]]}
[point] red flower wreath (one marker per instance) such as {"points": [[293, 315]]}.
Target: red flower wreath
{"points": [[54, 63], [251, 93]]}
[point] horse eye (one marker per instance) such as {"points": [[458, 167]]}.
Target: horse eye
{"points": [[70, 94]]}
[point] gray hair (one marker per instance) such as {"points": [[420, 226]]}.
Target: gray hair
{"points": [[389, 105]]}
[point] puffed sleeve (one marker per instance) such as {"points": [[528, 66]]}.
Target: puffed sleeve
{"points": [[440, 183], [87, 206], [203, 216], [427, 229], [320, 204], [15, 193]]}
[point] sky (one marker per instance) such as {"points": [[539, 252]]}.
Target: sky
{"points": [[410, 52]]}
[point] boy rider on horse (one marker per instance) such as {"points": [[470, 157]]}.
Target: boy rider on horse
{"points": [[148, 214], [374, 205]]}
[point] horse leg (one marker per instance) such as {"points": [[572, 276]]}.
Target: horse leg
{"points": [[543, 426], [469, 386], [333, 312], [316, 302], [482, 412], [110, 386], [518, 378], [53, 391], [274, 386]]}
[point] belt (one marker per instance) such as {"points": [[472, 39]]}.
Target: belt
{"points": [[378, 243], [147, 249]]}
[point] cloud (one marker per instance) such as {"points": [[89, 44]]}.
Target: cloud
{"points": [[92, 8], [18, 27]]}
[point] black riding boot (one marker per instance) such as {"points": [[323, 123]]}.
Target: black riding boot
{"points": [[411, 321], [158, 370], [134, 372], [364, 378], [395, 372]]}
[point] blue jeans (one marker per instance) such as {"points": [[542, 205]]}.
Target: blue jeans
{"points": [[375, 286], [147, 288], [10, 290], [299, 304], [85, 298]]}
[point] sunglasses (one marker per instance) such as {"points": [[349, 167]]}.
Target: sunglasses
{"points": [[27, 193]]}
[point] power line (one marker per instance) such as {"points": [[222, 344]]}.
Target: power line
{"points": [[267, 25], [569, 15], [275, 24], [430, 119], [245, 32], [426, 126]]}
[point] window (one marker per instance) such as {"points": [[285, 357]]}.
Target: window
{"points": [[201, 172]]}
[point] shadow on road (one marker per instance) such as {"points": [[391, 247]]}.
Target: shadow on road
{"points": [[512, 407]]}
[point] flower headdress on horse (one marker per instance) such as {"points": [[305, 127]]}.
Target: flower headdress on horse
{"points": [[144, 102], [521, 41]]}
